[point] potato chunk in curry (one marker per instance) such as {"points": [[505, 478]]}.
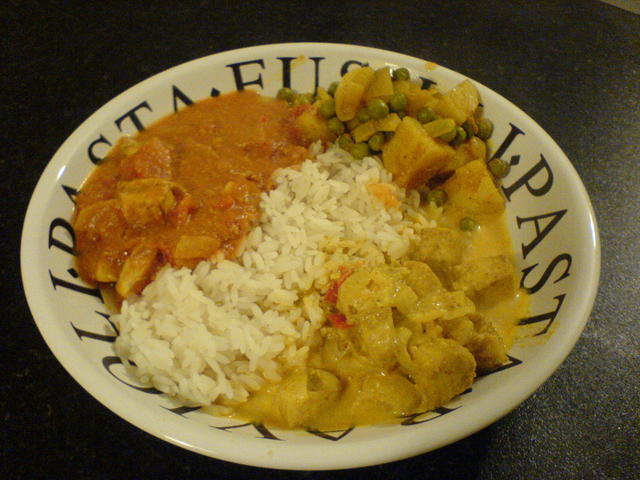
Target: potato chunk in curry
{"points": [[413, 156]]}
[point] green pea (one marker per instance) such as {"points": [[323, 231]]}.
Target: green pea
{"points": [[426, 115], [328, 108], [335, 126], [378, 108], [468, 224], [376, 141], [449, 136], [498, 167], [468, 129], [437, 197], [485, 128], [401, 74], [363, 115], [345, 141], [359, 150], [398, 102], [286, 94], [461, 136], [332, 88], [303, 99]]}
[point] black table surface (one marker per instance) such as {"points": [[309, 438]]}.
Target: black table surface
{"points": [[574, 66]]}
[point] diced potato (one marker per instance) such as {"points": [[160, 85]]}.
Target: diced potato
{"points": [[137, 270], [351, 90], [472, 188], [459, 103], [473, 149], [439, 127], [312, 126], [389, 123], [381, 86], [322, 95], [418, 98], [147, 200], [480, 273], [465, 96], [412, 156], [364, 131], [404, 86], [448, 109]]}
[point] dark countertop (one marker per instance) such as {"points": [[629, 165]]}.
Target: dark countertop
{"points": [[573, 66]]}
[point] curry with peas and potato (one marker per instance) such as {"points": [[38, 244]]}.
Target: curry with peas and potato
{"points": [[409, 336]]}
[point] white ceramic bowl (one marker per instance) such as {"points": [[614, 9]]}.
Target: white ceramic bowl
{"points": [[549, 215]]}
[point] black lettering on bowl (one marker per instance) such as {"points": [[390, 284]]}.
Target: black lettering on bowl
{"points": [[261, 429], [237, 74], [98, 336], [180, 95], [109, 361], [563, 257], [133, 116], [540, 233], [513, 362], [548, 317], [56, 242], [345, 66], [327, 434], [417, 418]]}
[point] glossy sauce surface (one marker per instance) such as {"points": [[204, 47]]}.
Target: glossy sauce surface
{"points": [[373, 392], [185, 188]]}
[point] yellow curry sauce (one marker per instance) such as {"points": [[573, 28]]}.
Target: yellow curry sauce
{"points": [[374, 389]]}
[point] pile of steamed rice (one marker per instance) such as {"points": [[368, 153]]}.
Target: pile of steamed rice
{"points": [[222, 330]]}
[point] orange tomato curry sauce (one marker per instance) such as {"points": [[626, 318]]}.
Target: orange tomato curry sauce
{"points": [[184, 189]]}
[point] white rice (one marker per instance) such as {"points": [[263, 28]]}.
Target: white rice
{"points": [[224, 329]]}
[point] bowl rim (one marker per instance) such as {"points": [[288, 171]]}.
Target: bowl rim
{"points": [[298, 458]]}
